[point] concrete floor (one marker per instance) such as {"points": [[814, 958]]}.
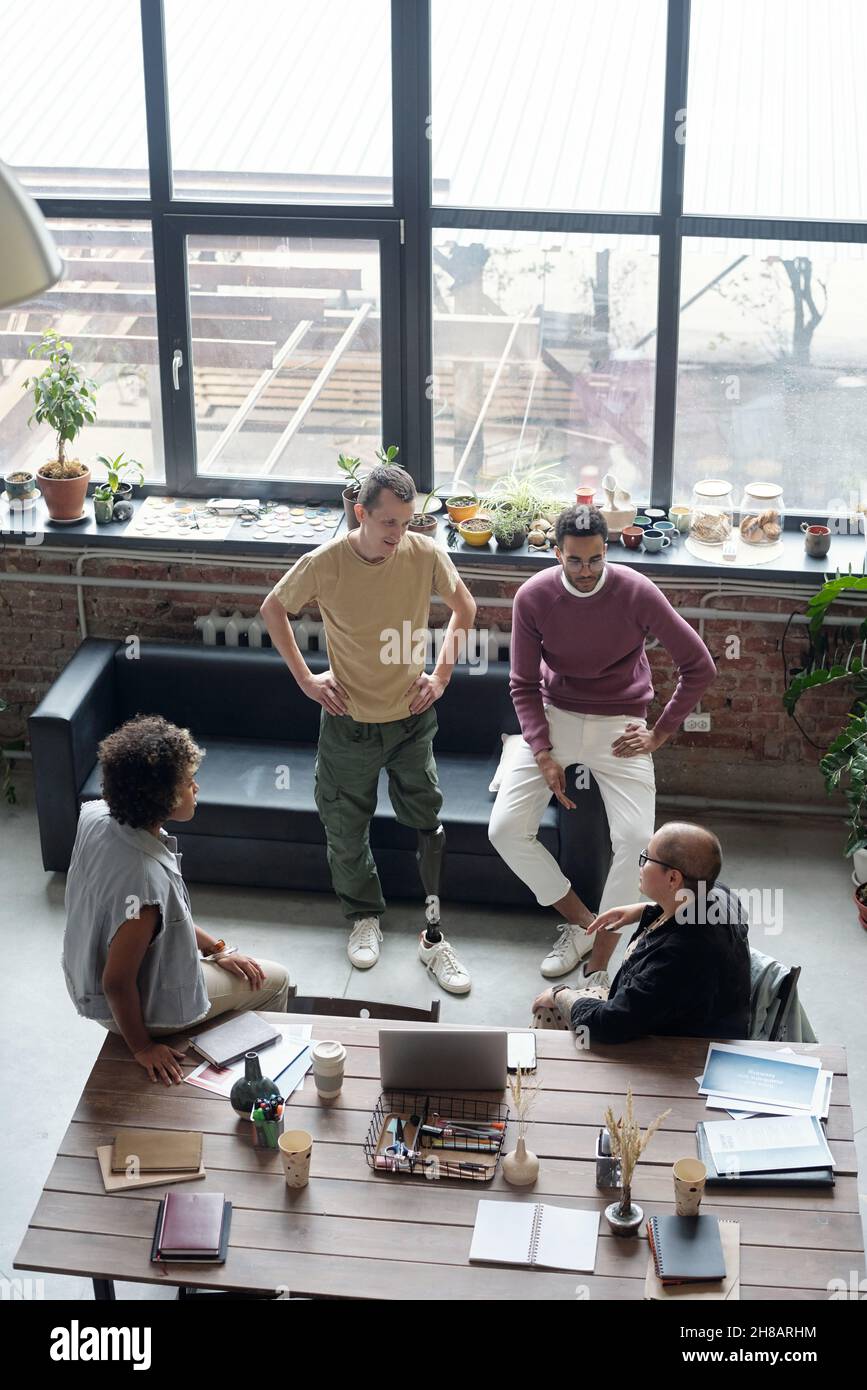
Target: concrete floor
{"points": [[43, 1041]]}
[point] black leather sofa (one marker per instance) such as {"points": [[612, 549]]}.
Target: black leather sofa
{"points": [[256, 822]]}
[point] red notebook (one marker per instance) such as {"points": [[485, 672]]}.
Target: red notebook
{"points": [[192, 1225]]}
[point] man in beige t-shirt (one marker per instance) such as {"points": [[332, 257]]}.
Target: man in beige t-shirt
{"points": [[373, 588]]}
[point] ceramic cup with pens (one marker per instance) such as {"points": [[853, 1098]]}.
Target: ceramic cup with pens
{"points": [[817, 539], [690, 1176], [296, 1148], [654, 541]]}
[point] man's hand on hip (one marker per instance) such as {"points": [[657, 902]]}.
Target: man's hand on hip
{"points": [[327, 691], [637, 739], [424, 692]]}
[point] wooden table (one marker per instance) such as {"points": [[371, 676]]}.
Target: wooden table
{"points": [[354, 1233]]}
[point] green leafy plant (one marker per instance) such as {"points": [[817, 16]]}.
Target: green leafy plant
{"points": [[63, 398], [529, 490], [118, 469], [508, 522], [350, 467], [844, 765], [388, 455]]}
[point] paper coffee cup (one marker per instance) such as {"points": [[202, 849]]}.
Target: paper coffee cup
{"points": [[296, 1147], [329, 1060], [690, 1175]]}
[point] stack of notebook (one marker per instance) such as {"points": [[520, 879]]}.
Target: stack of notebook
{"points": [[693, 1257], [150, 1158], [192, 1227]]}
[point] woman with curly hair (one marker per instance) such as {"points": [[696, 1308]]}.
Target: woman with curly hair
{"points": [[131, 949]]}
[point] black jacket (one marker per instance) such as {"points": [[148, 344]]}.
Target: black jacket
{"points": [[685, 979]]}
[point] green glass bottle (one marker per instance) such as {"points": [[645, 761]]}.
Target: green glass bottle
{"points": [[249, 1087]]}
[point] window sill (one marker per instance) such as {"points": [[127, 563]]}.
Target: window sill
{"points": [[676, 563]]}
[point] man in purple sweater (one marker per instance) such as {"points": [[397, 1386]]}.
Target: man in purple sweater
{"points": [[581, 687]]}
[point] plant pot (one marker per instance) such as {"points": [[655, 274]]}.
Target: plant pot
{"points": [[627, 1225], [64, 497], [460, 508], [515, 542], [862, 908], [350, 497], [520, 1168], [423, 525], [476, 530], [123, 493], [20, 489], [859, 866], [103, 510]]}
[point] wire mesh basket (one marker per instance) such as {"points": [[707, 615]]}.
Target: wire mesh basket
{"points": [[434, 1136]]}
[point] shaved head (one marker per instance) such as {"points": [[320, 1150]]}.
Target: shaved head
{"points": [[690, 848]]}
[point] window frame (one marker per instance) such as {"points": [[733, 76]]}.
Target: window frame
{"points": [[405, 229]]}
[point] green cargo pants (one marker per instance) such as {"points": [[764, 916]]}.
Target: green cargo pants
{"points": [[349, 760]]}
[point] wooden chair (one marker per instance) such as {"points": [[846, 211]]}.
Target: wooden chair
{"points": [[360, 1008]]}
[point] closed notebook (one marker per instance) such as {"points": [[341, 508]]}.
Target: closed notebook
{"points": [[524, 1233], [156, 1151], [805, 1177], [128, 1181], [190, 1226], [686, 1248], [729, 1290], [231, 1041]]}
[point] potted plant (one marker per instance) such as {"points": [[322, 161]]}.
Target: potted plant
{"points": [[462, 506], [103, 504], [350, 467], [510, 527], [424, 522], [844, 765], [628, 1144], [121, 486], [64, 398], [20, 485], [476, 530]]}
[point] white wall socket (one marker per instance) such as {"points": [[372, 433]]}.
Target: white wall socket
{"points": [[697, 724]]}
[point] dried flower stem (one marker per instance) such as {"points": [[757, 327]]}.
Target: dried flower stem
{"points": [[628, 1144]]}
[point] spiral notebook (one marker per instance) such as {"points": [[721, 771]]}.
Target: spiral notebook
{"points": [[524, 1233]]}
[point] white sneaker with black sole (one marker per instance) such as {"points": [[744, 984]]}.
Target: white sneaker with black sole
{"points": [[364, 940], [441, 961], [571, 946]]}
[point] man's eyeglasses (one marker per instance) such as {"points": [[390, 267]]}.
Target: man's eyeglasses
{"points": [[645, 858], [594, 565]]}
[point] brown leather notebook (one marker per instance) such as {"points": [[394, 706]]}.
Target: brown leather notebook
{"points": [[156, 1151]]}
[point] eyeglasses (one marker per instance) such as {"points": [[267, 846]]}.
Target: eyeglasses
{"points": [[594, 565], [645, 858]]}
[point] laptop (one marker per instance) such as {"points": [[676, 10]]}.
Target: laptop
{"points": [[442, 1059]]}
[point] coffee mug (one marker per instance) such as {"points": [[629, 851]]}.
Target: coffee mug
{"points": [[654, 541], [632, 536], [643, 522], [296, 1147], [667, 528], [817, 539], [655, 514], [329, 1059], [680, 516], [690, 1176]]}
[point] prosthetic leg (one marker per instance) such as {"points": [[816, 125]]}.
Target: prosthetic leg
{"points": [[429, 857]]}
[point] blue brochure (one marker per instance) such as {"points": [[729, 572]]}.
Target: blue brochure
{"points": [[760, 1076]]}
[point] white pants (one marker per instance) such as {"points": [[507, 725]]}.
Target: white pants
{"points": [[627, 787]]}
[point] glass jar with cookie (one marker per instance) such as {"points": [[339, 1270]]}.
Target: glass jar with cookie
{"points": [[711, 511], [762, 513]]}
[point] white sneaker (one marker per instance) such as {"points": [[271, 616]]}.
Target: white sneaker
{"points": [[572, 945], [364, 939], [599, 977], [444, 965]]}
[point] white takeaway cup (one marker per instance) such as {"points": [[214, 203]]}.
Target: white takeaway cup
{"points": [[329, 1060]]}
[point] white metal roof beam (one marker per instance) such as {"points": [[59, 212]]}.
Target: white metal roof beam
{"points": [[250, 400], [298, 418], [495, 381]]}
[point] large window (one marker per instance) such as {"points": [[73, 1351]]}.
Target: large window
{"points": [[605, 236]]}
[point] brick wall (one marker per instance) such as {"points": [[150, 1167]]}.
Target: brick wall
{"points": [[755, 751]]}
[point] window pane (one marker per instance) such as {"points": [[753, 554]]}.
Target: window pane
{"points": [[286, 354], [772, 381], [72, 110], [777, 109], [554, 104], [280, 100], [544, 353], [106, 307]]}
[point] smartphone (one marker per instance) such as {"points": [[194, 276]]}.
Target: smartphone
{"points": [[521, 1052]]}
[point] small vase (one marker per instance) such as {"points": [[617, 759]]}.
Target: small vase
{"points": [[247, 1090], [103, 510], [520, 1168], [628, 1224]]}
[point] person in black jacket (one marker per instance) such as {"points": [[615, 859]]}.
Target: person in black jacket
{"points": [[686, 971]]}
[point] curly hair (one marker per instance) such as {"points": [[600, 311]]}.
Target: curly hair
{"points": [[144, 765]]}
